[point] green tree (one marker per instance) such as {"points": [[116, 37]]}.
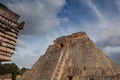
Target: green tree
{"points": [[2, 69], [23, 70], [10, 68]]}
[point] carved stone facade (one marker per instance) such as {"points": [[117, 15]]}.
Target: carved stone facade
{"points": [[73, 57], [9, 29]]}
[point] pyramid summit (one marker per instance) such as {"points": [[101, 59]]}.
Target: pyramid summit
{"points": [[73, 57]]}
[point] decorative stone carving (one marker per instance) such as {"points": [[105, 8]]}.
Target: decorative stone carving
{"points": [[9, 29]]}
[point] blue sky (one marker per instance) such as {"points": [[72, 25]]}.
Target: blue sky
{"points": [[48, 19]]}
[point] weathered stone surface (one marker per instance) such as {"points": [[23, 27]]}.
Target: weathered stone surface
{"points": [[73, 57], [9, 29], [6, 77]]}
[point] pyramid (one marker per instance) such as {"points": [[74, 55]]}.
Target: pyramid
{"points": [[73, 57]]}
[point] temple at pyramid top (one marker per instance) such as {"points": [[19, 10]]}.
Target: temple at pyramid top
{"points": [[65, 41], [74, 36], [73, 57]]}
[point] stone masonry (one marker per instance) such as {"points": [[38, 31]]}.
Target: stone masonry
{"points": [[9, 29], [73, 57]]}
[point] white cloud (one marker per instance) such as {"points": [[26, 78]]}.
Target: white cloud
{"points": [[41, 20], [106, 31], [21, 43], [112, 49], [30, 48], [102, 21], [95, 9], [64, 20], [111, 31], [40, 15], [118, 4], [104, 27]]}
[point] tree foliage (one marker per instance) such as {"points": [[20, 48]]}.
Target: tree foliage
{"points": [[11, 68]]}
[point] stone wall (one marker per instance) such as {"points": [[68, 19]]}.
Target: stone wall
{"points": [[8, 13], [9, 30], [95, 77], [6, 77]]}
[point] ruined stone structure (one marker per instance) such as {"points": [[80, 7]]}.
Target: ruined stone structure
{"points": [[73, 57], [9, 29], [6, 77]]}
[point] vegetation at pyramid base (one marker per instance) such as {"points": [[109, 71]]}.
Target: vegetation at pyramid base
{"points": [[11, 68]]}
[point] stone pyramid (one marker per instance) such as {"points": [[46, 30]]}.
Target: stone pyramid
{"points": [[73, 57]]}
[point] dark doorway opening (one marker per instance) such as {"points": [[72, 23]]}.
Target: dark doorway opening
{"points": [[61, 45], [70, 77], [92, 79]]}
